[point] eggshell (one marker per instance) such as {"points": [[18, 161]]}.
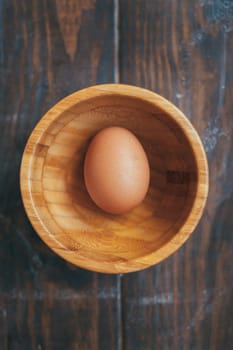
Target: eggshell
{"points": [[116, 170]]}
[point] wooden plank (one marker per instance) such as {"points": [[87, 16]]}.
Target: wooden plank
{"points": [[183, 50], [48, 49]]}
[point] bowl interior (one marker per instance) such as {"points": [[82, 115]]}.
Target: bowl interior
{"points": [[64, 206]]}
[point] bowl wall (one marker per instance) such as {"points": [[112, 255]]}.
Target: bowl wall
{"points": [[65, 216]]}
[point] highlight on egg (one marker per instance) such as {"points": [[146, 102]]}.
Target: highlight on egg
{"points": [[116, 170]]}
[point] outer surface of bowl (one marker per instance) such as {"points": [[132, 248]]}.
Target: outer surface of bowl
{"points": [[59, 207]]}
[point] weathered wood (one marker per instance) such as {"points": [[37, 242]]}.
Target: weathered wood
{"points": [[48, 50], [183, 50]]}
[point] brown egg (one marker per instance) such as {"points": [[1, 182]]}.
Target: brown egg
{"points": [[116, 170]]}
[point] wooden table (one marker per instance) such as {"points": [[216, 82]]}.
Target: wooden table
{"points": [[182, 49]]}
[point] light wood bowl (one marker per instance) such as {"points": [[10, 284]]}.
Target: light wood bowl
{"points": [[59, 206]]}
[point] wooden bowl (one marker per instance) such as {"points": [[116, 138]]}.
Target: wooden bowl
{"points": [[59, 206]]}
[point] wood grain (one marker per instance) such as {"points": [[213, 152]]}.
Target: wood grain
{"points": [[46, 303], [58, 204], [183, 50]]}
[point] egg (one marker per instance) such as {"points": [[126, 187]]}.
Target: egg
{"points": [[116, 170]]}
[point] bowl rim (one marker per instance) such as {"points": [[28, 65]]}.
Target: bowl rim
{"points": [[183, 123]]}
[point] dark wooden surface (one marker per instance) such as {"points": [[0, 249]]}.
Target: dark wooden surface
{"points": [[182, 49], [48, 50]]}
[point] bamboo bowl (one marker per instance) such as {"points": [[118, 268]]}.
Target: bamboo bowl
{"points": [[59, 206]]}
